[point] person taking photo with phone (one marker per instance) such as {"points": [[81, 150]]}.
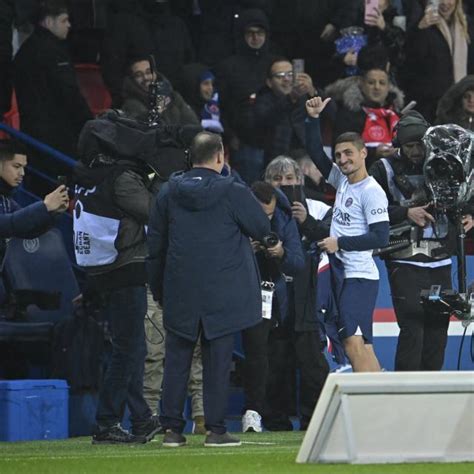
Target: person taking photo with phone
{"points": [[38, 217], [277, 118]]}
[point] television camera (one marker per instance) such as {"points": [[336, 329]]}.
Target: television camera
{"points": [[449, 181]]}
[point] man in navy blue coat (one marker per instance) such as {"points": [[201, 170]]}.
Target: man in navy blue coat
{"points": [[203, 271], [34, 219]]}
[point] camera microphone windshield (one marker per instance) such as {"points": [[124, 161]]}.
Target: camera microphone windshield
{"points": [[447, 168]]}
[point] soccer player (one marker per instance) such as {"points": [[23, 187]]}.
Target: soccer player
{"points": [[359, 224]]}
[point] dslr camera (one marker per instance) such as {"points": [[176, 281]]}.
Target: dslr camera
{"points": [[270, 240]]}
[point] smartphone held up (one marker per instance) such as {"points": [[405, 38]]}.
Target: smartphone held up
{"points": [[298, 67], [371, 10]]}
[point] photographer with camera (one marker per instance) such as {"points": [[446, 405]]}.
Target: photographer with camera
{"points": [[279, 256], [426, 260], [294, 337]]}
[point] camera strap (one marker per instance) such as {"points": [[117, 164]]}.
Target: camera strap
{"points": [[268, 287]]}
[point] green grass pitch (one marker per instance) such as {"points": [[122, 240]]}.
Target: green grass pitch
{"points": [[272, 453]]}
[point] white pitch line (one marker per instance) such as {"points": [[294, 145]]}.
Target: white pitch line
{"points": [[168, 452], [259, 442]]}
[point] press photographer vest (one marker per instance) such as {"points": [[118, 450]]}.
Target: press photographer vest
{"points": [[96, 226], [415, 195]]}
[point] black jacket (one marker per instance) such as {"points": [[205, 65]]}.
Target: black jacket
{"points": [[189, 85], [428, 70], [11, 13], [244, 73], [398, 213], [305, 283], [136, 105], [133, 32], [51, 106], [392, 39], [277, 123]]}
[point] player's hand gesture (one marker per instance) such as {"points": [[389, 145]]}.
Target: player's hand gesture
{"points": [[316, 105]]}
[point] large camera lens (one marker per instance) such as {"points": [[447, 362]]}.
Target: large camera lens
{"points": [[270, 240]]}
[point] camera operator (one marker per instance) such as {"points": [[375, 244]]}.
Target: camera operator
{"points": [[425, 262], [113, 200], [279, 255]]}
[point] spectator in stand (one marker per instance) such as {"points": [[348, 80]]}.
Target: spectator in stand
{"points": [[51, 106], [382, 32], [277, 118], [306, 29], [239, 78], [27, 223], [212, 23], [368, 105], [439, 54], [12, 14], [457, 105], [198, 89], [136, 100], [140, 28], [418, 15]]}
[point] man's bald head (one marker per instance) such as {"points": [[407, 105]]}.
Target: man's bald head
{"points": [[205, 146]]}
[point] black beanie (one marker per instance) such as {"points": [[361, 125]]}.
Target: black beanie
{"points": [[411, 127]]}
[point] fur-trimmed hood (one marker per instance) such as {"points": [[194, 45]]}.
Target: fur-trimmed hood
{"points": [[450, 105], [347, 92]]}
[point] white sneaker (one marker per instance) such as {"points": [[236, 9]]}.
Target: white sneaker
{"points": [[251, 421]]}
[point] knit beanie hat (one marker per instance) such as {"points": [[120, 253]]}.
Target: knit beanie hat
{"points": [[411, 128], [205, 76]]}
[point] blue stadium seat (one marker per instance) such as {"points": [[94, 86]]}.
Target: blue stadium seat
{"points": [[41, 264]]}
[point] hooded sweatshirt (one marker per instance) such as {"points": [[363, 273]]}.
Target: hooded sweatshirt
{"points": [[244, 73], [208, 112]]}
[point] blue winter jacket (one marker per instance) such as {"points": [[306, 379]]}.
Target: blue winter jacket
{"points": [[293, 260], [25, 223], [201, 265]]}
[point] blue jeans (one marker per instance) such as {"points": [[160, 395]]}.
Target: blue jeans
{"points": [[123, 382]]}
